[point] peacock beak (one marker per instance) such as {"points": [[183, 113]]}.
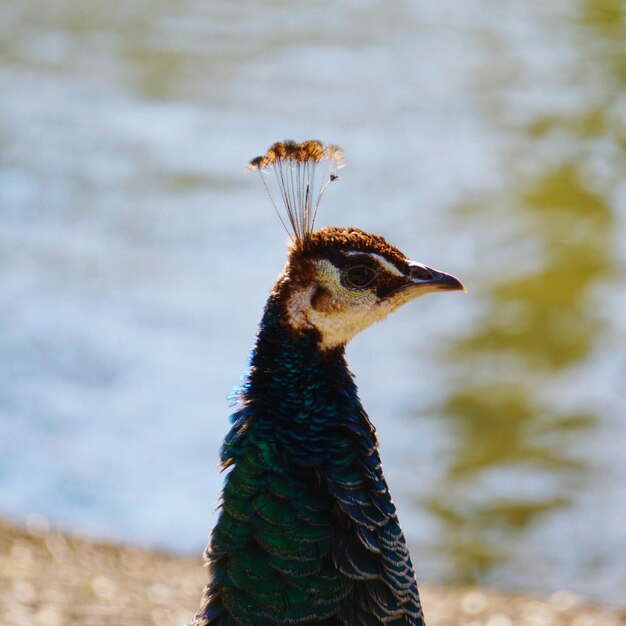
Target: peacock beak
{"points": [[427, 279]]}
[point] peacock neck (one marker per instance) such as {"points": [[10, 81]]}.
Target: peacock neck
{"points": [[289, 371], [300, 399]]}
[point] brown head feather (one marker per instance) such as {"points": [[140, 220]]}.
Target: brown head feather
{"points": [[353, 239]]}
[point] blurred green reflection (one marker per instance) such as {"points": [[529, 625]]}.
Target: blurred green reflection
{"points": [[513, 464]]}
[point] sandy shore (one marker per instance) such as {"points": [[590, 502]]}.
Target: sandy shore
{"points": [[48, 578]]}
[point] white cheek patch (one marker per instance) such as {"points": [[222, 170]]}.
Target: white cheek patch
{"points": [[298, 303], [352, 311], [337, 328], [339, 323]]}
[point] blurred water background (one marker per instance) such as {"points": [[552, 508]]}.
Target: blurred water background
{"points": [[485, 138]]}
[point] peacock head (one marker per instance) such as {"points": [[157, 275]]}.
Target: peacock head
{"points": [[337, 281]]}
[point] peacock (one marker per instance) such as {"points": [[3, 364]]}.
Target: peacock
{"points": [[307, 531]]}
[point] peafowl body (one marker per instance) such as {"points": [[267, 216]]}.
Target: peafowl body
{"points": [[308, 533]]}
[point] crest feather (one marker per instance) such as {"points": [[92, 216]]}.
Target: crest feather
{"points": [[301, 174]]}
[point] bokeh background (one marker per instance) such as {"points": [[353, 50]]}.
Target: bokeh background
{"points": [[486, 138]]}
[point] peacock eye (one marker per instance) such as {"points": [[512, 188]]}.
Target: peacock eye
{"points": [[360, 276]]}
